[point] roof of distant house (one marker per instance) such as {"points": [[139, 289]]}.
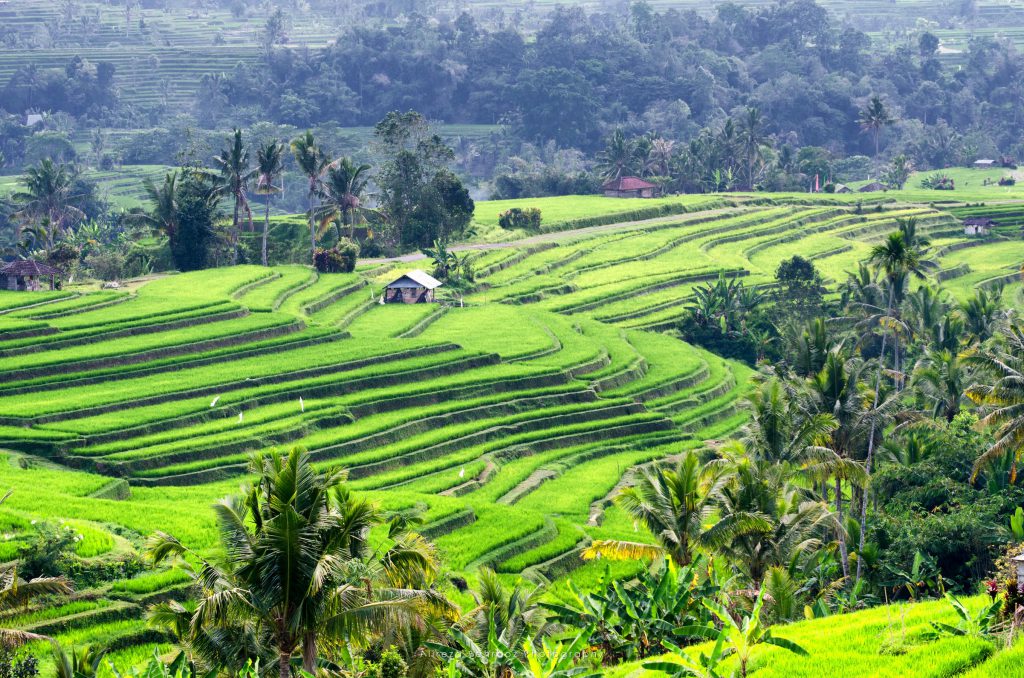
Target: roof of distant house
{"points": [[29, 267], [626, 184], [985, 161], [873, 186], [979, 221], [419, 277]]}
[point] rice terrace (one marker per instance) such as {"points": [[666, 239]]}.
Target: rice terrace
{"points": [[378, 340]]}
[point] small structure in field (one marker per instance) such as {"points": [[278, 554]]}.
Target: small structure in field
{"points": [[1018, 562], [873, 187], [629, 187], [985, 163], [28, 275], [843, 188], [415, 287], [978, 226]]}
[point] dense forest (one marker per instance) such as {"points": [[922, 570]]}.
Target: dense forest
{"points": [[573, 81]]}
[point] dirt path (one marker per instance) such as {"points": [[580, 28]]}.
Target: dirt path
{"points": [[559, 235]]}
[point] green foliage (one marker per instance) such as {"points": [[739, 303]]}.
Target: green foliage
{"points": [[632, 620], [527, 219], [339, 259]]}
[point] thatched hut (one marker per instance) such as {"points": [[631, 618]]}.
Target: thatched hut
{"points": [[29, 275]]}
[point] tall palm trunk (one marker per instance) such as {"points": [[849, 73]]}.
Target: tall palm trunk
{"points": [[312, 228], [234, 236], [284, 664], [844, 552], [309, 652], [266, 228], [871, 436]]}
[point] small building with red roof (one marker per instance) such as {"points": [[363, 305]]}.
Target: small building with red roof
{"points": [[629, 187]]}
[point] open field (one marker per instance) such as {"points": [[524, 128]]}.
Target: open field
{"points": [[508, 422]]}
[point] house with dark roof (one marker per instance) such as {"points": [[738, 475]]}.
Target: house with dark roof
{"points": [[978, 225], [28, 275], [629, 187], [414, 287], [873, 187]]}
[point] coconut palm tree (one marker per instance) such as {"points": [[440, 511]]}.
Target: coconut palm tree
{"points": [[618, 157], [751, 137], [981, 314], [312, 162], [298, 565], [940, 379], [163, 200], [1002, 396], [234, 174], [659, 159], [897, 259], [343, 189], [873, 118], [48, 193], [679, 507], [269, 170]]}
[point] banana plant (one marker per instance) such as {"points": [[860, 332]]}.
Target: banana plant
{"points": [[742, 637], [1017, 524], [978, 625]]}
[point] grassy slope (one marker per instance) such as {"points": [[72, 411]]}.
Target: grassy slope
{"points": [[528, 508], [889, 641]]}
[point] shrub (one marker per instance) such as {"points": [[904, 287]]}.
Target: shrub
{"points": [[938, 182], [49, 553], [339, 259], [517, 218], [106, 265], [1007, 181]]}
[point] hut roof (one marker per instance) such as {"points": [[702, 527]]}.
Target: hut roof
{"points": [[29, 267], [872, 187], [985, 161], [842, 188], [978, 221], [416, 278], [626, 184]]}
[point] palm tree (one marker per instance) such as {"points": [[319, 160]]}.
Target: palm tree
{"points": [[617, 158], [659, 159], [981, 314], [897, 259], [677, 505], [342, 196], [235, 173], [873, 118], [163, 214], [298, 566], [751, 137], [1003, 397], [941, 378], [48, 195], [313, 163], [269, 170]]}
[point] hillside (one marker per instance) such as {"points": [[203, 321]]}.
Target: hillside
{"points": [[888, 641], [507, 423]]}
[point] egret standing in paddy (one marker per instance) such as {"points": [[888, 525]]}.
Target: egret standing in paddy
{"points": [[240, 417], [302, 405], [462, 472], [213, 403]]}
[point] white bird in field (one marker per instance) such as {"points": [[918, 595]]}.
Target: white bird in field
{"points": [[240, 417], [213, 403], [462, 472], [302, 405]]}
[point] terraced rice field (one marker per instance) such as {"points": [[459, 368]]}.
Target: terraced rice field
{"points": [[508, 423]]}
